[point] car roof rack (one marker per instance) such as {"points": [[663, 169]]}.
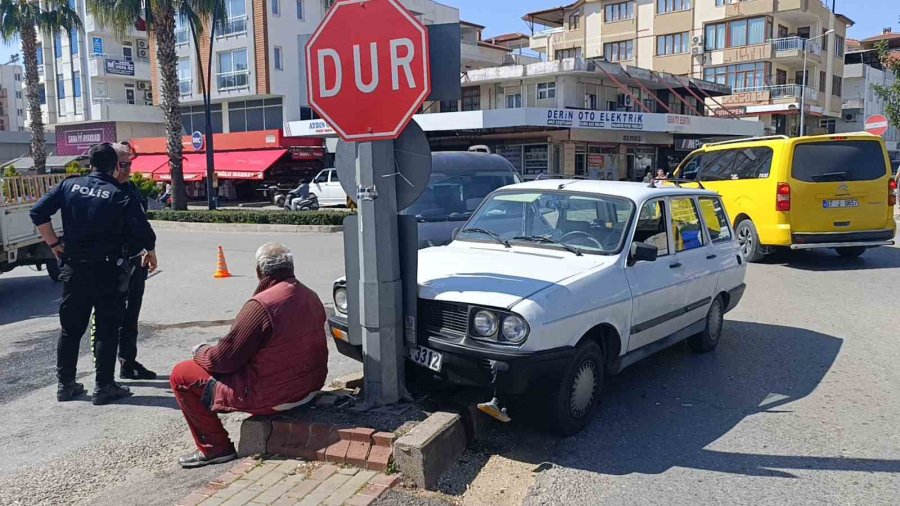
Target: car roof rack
{"points": [[747, 139], [544, 175], [678, 182]]}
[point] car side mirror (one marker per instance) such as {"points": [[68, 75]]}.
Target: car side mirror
{"points": [[641, 252]]}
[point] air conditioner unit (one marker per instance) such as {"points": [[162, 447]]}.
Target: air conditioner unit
{"points": [[148, 95], [697, 50], [148, 102], [143, 52], [625, 101], [142, 43], [849, 117], [697, 40], [143, 85]]}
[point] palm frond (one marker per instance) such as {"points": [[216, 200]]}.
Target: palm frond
{"points": [[119, 15]]}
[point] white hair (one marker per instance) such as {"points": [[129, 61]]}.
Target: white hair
{"points": [[272, 256]]}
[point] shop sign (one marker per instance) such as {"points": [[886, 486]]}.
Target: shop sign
{"points": [[306, 153], [632, 139], [77, 139], [678, 119], [727, 113], [688, 144], [236, 174], [120, 67], [569, 118]]}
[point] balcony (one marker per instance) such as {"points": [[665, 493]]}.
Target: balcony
{"points": [[792, 48], [480, 56], [779, 92], [114, 66], [239, 79], [111, 110], [742, 8]]}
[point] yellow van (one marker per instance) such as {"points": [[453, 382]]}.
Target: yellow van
{"points": [[828, 191]]}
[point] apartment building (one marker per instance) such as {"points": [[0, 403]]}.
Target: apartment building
{"points": [[756, 47], [12, 99], [96, 86]]}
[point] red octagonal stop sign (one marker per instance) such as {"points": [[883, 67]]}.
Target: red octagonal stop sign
{"points": [[367, 69]]}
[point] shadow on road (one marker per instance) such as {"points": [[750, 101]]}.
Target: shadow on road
{"points": [[884, 257], [27, 297], [666, 411], [150, 401]]}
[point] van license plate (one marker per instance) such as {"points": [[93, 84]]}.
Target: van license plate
{"points": [[426, 358], [834, 204]]}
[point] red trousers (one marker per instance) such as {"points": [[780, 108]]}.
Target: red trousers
{"points": [[188, 382]]}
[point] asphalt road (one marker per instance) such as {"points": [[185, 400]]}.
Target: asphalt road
{"points": [[76, 453]]}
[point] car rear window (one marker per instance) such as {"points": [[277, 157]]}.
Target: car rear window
{"points": [[821, 162]]}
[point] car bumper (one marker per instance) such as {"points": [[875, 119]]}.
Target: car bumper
{"points": [[471, 366], [338, 330], [734, 296], [868, 239]]}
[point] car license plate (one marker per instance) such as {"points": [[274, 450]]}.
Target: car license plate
{"points": [[426, 358], [834, 204]]}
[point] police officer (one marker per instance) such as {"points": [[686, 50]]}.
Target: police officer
{"points": [[99, 219]]}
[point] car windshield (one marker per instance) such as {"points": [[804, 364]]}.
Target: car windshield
{"points": [[453, 196], [576, 222]]}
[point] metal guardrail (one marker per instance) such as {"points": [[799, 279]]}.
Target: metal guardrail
{"points": [[26, 189], [781, 91], [796, 44]]}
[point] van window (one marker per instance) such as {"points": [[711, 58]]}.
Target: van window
{"points": [[819, 162], [453, 196], [735, 164], [715, 219], [686, 224]]}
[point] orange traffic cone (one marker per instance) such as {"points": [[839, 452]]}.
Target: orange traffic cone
{"points": [[221, 266]]}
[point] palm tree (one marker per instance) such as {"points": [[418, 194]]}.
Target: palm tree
{"points": [[23, 19], [159, 18]]}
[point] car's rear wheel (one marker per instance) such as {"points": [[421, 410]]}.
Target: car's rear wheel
{"points": [[578, 391], [751, 249], [707, 340], [855, 252]]}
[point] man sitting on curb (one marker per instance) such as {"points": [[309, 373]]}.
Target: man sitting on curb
{"points": [[274, 358]]}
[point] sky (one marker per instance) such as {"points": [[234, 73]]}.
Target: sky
{"points": [[505, 16]]}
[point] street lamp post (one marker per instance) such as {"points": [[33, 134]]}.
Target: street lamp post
{"points": [[806, 81], [206, 86]]}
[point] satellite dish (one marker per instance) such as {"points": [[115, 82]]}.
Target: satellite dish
{"points": [[412, 159]]}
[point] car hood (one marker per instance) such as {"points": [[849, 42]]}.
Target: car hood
{"points": [[496, 276]]}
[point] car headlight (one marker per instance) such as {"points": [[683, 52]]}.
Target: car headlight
{"points": [[514, 329], [485, 323], [340, 300]]}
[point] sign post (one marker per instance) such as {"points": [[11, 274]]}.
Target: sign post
{"points": [[367, 75]]}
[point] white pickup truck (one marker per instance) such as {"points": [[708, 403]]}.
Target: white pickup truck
{"points": [[21, 243]]}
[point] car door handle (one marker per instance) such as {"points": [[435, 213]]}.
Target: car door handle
{"points": [[710, 257], [675, 265]]}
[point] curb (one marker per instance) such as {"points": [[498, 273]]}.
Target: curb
{"points": [[243, 227], [430, 448]]}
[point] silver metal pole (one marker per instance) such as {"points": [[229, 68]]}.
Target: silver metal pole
{"points": [[803, 92]]}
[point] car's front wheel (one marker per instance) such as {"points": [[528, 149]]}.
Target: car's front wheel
{"points": [[707, 340], [578, 391]]}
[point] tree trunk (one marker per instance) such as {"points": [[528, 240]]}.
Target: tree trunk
{"points": [[164, 30], [33, 96]]}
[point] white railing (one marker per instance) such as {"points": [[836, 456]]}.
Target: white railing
{"points": [[185, 86], [26, 189], [548, 32], [799, 44], [110, 56], [777, 91], [232, 80], [182, 36], [234, 26]]}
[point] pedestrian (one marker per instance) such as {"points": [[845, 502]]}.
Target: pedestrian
{"points": [[98, 217], [274, 358], [661, 175], [166, 198], [129, 367]]}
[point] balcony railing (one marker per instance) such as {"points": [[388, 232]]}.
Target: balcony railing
{"points": [[182, 36], [548, 32], [235, 26], [796, 44], [779, 91], [233, 80]]}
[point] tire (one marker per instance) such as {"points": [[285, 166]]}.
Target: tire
{"points": [[572, 404], [53, 270], [855, 252], [749, 239], [707, 340]]}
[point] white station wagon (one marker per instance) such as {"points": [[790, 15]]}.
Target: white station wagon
{"points": [[552, 285]]}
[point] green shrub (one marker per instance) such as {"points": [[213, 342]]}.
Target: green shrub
{"points": [[145, 185], [74, 167], [10, 171], [255, 217]]}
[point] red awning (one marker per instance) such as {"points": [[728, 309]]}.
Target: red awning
{"points": [[243, 165], [147, 164]]}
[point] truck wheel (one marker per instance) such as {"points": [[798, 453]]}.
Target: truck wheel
{"points": [[851, 252], [749, 239], [576, 396], [53, 270], [707, 340]]}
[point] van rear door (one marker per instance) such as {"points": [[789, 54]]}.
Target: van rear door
{"points": [[839, 184]]}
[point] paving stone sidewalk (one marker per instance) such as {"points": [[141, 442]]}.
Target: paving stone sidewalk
{"points": [[291, 482]]}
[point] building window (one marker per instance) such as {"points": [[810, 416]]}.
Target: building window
{"points": [[665, 6], [574, 52], [18, 77], [235, 17], [837, 86], [60, 87], [193, 119], [514, 101], [619, 12], [743, 32], [76, 84], [546, 91], [830, 125], [40, 56], [57, 44], [18, 94], [619, 51], [745, 76], [42, 94], [721, 3], [185, 79], [255, 115], [19, 112], [300, 9], [233, 70], [575, 21], [823, 79], [471, 98], [73, 41], [182, 30], [839, 46], [276, 7], [449, 106], [279, 58], [676, 43]]}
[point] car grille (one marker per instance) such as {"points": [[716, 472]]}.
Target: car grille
{"points": [[443, 317]]}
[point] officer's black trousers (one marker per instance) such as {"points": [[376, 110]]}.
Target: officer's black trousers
{"points": [[89, 287], [128, 333]]}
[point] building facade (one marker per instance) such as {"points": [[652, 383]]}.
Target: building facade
{"points": [[12, 99], [756, 47], [96, 77]]}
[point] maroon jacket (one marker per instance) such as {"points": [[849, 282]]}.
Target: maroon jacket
{"points": [[275, 353]]}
